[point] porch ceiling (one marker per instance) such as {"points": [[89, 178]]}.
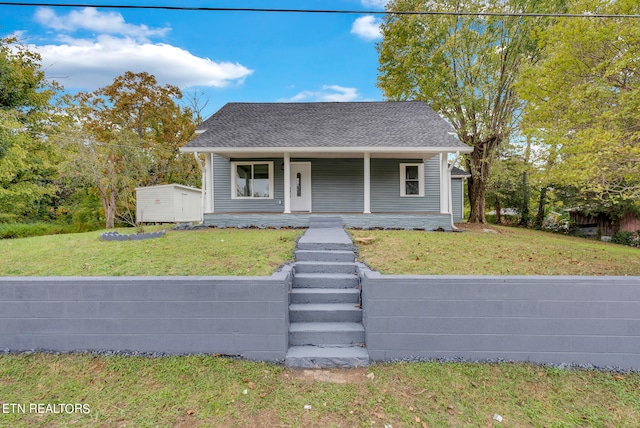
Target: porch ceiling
{"points": [[330, 152]]}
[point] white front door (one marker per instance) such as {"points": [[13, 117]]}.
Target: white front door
{"points": [[301, 186]]}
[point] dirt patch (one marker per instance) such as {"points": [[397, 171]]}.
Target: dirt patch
{"points": [[356, 376]]}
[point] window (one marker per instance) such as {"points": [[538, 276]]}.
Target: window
{"points": [[411, 179], [252, 180]]}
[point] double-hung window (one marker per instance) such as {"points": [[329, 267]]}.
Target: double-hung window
{"points": [[252, 180], [411, 179]]}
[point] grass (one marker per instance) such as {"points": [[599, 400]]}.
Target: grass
{"points": [[508, 251], [202, 252], [211, 391]]}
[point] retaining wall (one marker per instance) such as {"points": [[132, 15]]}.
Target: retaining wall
{"points": [[571, 320], [246, 316], [560, 319]]}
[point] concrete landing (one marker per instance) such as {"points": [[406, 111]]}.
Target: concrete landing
{"points": [[329, 238]]}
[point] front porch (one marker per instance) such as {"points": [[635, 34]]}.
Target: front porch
{"points": [[427, 221]]}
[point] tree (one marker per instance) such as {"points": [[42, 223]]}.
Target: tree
{"points": [[465, 68], [506, 187], [28, 162], [131, 134], [584, 103]]}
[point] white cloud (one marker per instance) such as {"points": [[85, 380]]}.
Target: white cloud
{"points": [[89, 64], [329, 93], [367, 27], [92, 19], [378, 4]]}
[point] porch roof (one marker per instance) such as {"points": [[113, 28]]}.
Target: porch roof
{"points": [[383, 129]]}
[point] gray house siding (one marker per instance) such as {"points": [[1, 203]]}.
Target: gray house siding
{"points": [[457, 189], [337, 185], [385, 187]]}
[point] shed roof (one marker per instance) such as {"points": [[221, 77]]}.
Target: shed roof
{"points": [[322, 126]]}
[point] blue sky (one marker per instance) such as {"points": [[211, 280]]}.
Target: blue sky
{"points": [[230, 56]]}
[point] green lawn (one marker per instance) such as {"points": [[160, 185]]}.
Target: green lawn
{"points": [[198, 252], [509, 251], [216, 392]]}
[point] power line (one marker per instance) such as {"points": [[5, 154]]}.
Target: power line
{"points": [[325, 11]]}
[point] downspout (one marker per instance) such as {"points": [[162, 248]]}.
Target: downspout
{"points": [[203, 185], [450, 196]]}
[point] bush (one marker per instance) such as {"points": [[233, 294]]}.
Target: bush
{"points": [[23, 230], [564, 226], [626, 238]]}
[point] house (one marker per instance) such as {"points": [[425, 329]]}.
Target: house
{"points": [[168, 203], [375, 164], [599, 223]]}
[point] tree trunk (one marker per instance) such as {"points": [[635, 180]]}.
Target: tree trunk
{"points": [[525, 215], [478, 164], [110, 211], [541, 208], [477, 190], [108, 199], [498, 211]]}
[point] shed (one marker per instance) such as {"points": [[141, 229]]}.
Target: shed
{"points": [[168, 203]]}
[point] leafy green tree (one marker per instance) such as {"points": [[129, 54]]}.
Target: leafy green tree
{"points": [[584, 103], [28, 161], [465, 68], [505, 188], [131, 134]]}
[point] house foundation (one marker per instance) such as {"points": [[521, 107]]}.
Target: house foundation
{"points": [[420, 221]]}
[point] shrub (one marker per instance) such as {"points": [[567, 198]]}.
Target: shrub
{"points": [[626, 238], [561, 225], [23, 230]]}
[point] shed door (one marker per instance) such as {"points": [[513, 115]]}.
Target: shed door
{"points": [[301, 186]]}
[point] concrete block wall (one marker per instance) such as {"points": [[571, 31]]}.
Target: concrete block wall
{"points": [[245, 316], [555, 320], [423, 221]]}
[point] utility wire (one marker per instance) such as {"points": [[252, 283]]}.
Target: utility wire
{"points": [[325, 11]]}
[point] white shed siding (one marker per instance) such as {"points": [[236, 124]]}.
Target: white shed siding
{"points": [[168, 203]]}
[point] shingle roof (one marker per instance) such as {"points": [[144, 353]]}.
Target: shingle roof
{"points": [[409, 124], [457, 172]]}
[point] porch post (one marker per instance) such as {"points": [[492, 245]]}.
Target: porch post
{"points": [[287, 183], [445, 183], [367, 183]]}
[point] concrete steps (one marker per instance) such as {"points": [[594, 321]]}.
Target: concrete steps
{"points": [[325, 267], [325, 295], [325, 312], [325, 316], [325, 280], [324, 256], [330, 333], [332, 356]]}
